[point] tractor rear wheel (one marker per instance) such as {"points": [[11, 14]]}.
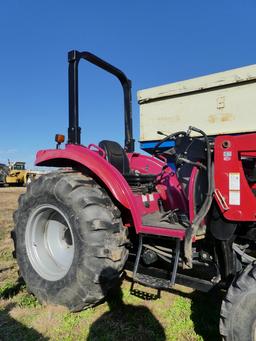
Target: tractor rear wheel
{"points": [[69, 240], [238, 316]]}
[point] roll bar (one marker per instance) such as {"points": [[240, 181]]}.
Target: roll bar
{"points": [[74, 131]]}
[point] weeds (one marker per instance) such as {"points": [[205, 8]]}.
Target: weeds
{"points": [[27, 301], [10, 289], [6, 289]]}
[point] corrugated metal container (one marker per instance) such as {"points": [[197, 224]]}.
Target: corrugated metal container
{"points": [[221, 103]]}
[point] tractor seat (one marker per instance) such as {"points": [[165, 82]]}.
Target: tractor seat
{"points": [[116, 155]]}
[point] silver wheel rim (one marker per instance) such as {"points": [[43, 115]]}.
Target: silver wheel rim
{"points": [[49, 242]]}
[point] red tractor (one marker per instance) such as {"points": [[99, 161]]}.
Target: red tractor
{"points": [[168, 212]]}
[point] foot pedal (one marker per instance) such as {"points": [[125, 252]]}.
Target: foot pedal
{"points": [[154, 282]]}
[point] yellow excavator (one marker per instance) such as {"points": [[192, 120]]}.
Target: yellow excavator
{"points": [[18, 174]]}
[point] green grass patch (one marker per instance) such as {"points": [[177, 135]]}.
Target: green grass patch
{"points": [[6, 288], [27, 301], [10, 288], [73, 326], [179, 324]]}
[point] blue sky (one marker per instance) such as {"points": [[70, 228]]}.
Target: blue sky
{"points": [[153, 42]]}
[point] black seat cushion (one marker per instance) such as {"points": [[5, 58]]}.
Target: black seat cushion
{"points": [[116, 155]]}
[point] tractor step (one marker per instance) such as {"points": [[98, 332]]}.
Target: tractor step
{"points": [[181, 279], [155, 282], [146, 296], [152, 282]]}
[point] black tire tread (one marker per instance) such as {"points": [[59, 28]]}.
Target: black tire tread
{"points": [[243, 283], [108, 237]]}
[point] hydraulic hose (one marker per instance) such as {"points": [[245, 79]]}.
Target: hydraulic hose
{"points": [[190, 232], [168, 137]]}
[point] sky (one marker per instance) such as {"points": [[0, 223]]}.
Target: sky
{"points": [[153, 42]]}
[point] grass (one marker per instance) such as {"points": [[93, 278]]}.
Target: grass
{"points": [[27, 301], [181, 315], [8, 289]]}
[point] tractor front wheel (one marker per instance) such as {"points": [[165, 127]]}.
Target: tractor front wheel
{"points": [[69, 240], [238, 315]]}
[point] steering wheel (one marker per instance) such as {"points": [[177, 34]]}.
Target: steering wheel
{"points": [[157, 150]]}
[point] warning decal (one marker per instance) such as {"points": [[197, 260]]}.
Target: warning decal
{"points": [[234, 197], [234, 181], [234, 188], [227, 156]]}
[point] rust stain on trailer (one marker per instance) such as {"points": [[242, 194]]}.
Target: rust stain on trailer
{"points": [[227, 117], [167, 119], [223, 117]]}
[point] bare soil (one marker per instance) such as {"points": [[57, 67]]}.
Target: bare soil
{"points": [[8, 203]]}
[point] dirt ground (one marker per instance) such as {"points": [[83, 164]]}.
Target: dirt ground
{"points": [[8, 203], [176, 316]]}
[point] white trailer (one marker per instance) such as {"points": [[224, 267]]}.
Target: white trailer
{"points": [[220, 103]]}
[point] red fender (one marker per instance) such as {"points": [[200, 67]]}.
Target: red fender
{"points": [[111, 177]]}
